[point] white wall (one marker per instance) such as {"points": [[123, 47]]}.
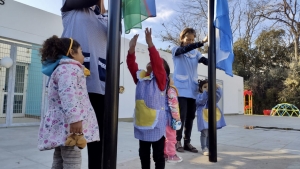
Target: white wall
{"points": [[233, 88], [25, 23]]}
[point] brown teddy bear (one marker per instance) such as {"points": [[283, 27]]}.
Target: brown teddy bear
{"points": [[86, 72], [76, 140]]}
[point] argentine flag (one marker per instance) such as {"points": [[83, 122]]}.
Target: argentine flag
{"points": [[224, 41]]}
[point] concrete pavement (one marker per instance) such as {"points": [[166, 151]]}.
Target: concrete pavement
{"points": [[238, 148]]}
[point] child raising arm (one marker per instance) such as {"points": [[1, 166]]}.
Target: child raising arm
{"points": [[150, 103]]}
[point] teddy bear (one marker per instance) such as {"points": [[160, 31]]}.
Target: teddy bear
{"points": [[86, 72], [76, 140]]}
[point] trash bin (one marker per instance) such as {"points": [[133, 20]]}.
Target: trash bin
{"points": [[267, 112]]}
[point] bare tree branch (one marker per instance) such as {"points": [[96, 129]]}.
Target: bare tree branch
{"points": [[194, 14], [284, 12]]}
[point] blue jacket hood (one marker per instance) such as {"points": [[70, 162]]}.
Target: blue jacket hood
{"points": [[48, 66]]}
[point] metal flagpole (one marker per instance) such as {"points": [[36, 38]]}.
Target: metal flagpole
{"points": [[212, 130], [110, 132]]}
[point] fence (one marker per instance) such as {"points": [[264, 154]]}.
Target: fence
{"points": [[21, 85]]}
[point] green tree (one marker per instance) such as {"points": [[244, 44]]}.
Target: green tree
{"points": [[264, 67], [168, 50], [291, 91], [242, 58]]}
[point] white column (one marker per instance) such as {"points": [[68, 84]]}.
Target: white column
{"points": [[11, 86]]}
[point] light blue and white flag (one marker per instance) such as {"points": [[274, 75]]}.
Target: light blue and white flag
{"points": [[224, 40]]}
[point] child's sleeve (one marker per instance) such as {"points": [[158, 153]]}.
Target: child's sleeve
{"points": [[202, 98], [132, 66], [68, 91], [173, 102], [158, 68], [219, 94], [185, 49]]}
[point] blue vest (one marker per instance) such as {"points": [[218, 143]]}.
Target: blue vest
{"points": [[150, 115], [185, 74], [202, 114]]}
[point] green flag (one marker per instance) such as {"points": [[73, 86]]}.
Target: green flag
{"points": [[136, 11]]}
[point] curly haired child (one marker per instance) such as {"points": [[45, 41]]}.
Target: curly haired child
{"points": [[69, 109]]}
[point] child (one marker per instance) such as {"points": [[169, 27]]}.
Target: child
{"points": [[150, 116], [202, 113], [69, 108], [173, 113], [186, 59]]}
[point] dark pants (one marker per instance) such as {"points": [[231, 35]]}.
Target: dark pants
{"points": [[187, 108], [95, 148], [158, 153]]}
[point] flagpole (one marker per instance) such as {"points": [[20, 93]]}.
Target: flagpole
{"points": [[110, 131], [212, 130]]}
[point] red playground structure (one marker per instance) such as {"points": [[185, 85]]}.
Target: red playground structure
{"points": [[248, 107]]}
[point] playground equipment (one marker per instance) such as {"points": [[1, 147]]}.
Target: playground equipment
{"points": [[248, 109], [285, 109]]}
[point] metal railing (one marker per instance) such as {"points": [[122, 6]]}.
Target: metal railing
{"points": [[21, 85]]}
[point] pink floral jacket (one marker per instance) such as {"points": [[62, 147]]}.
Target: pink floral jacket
{"points": [[68, 102], [173, 101]]}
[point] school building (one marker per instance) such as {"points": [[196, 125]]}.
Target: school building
{"points": [[22, 86]]}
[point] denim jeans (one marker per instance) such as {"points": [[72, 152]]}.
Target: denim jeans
{"points": [[204, 139]]}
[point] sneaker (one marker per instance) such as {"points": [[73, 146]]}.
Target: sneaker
{"points": [[166, 157], [179, 147], [190, 148], [174, 159], [205, 152]]}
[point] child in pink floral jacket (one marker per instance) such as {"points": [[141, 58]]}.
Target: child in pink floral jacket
{"points": [[69, 109], [172, 113]]}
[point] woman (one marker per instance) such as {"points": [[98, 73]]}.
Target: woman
{"points": [[186, 58], [84, 23]]}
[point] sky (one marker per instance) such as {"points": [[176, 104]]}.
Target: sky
{"points": [[164, 11]]}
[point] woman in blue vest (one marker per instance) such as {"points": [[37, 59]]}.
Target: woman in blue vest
{"points": [[186, 58], [84, 21]]}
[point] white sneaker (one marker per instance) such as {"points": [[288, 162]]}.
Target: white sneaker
{"points": [[205, 152]]}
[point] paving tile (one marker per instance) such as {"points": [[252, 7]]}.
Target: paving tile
{"points": [[267, 146], [16, 162], [34, 166], [4, 155]]}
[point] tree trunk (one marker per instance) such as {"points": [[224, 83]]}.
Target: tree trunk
{"points": [[296, 48]]}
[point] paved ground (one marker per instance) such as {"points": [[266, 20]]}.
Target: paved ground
{"points": [[20, 120], [238, 148]]}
